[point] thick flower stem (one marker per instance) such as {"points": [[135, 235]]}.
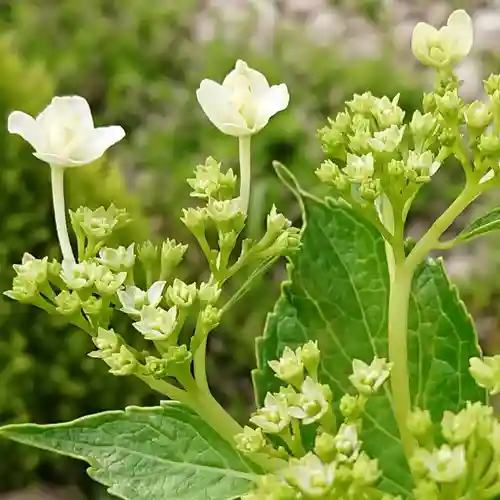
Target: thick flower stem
{"points": [[399, 298], [57, 178], [245, 171]]}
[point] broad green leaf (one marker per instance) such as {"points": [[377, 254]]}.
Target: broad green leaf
{"points": [[338, 294], [482, 225], [159, 453]]}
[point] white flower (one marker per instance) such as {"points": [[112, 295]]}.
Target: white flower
{"points": [[244, 103], [107, 282], [359, 168], [63, 134], [347, 443], [446, 46], [443, 465], [77, 276], [157, 323], [312, 403], [273, 417], [133, 299], [289, 367], [32, 269], [368, 378], [311, 476], [117, 259]]}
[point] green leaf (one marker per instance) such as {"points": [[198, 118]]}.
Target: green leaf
{"points": [[338, 295], [482, 225], [156, 453]]}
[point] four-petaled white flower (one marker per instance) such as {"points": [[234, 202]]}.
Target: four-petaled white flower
{"points": [[273, 417], [312, 403], [157, 323], [289, 367], [359, 168], [63, 134], [32, 269], [347, 443], [244, 103], [118, 259], [311, 476], [448, 45], [77, 276], [133, 299], [443, 465], [368, 378]]}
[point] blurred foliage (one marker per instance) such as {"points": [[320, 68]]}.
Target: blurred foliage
{"points": [[45, 375], [139, 63]]}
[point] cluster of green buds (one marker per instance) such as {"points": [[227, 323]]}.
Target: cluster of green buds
{"points": [[139, 280], [296, 430], [463, 461]]}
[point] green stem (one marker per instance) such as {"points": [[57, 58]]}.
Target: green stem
{"points": [[399, 298], [167, 389], [245, 170], [57, 178], [200, 372]]}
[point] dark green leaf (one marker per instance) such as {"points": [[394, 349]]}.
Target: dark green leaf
{"points": [[156, 453], [338, 294], [482, 225]]}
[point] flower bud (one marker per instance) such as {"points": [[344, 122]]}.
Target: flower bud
{"points": [[387, 140], [352, 407], [359, 140], [427, 490], [107, 343], [422, 125], [122, 363], [310, 356], [420, 424], [478, 115], [209, 318], [333, 137], [67, 303], [181, 295], [23, 290], [227, 214], [92, 306], [443, 465], [174, 359], [362, 104], [289, 367], [449, 104], [210, 182], [369, 378], [209, 293], [489, 144], [492, 84], [118, 259], [347, 443], [100, 223], [32, 269], [148, 254], [457, 428], [387, 112], [250, 440], [420, 167], [329, 173], [359, 168], [195, 219], [370, 189], [365, 471], [486, 372], [324, 447], [106, 282], [171, 255], [276, 222]]}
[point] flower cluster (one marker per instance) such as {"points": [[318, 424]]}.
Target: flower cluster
{"points": [[333, 465], [464, 461]]}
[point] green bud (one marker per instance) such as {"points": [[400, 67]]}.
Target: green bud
{"points": [[122, 363], [118, 259], [324, 447], [106, 282], [310, 356], [396, 168], [92, 306], [54, 269], [227, 240], [429, 104], [489, 144], [387, 112], [171, 255], [227, 214], [250, 440], [359, 168], [107, 343], [457, 428], [352, 407], [210, 182], [427, 490], [347, 443], [387, 140], [486, 372], [333, 137], [449, 104], [478, 115], [178, 355], [286, 243], [329, 173], [362, 104], [492, 84], [361, 135], [365, 471], [209, 318], [422, 125], [100, 223], [148, 254], [370, 189], [276, 222], [289, 367], [68, 303], [32, 269], [23, 290], [209, 293], [181, 295], [195, 219], [420, 167], [420, 424]]}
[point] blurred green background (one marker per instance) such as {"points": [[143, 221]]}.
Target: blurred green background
{"points": [[138, 63]]}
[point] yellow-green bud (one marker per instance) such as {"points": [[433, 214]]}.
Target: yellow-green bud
{"points": [[68, 303], [181, 295]]}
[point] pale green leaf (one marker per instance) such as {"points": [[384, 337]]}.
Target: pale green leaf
{"points": [[159, 453], [481, 226]]}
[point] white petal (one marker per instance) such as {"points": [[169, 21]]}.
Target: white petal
{"points": [[155, 292], [422, 34], [59, 161], [68, 111], [24, 125], [274, 100], [257, 81], [462, 32], [487, 176], [93, 146], [125, 298], [215, 101]]}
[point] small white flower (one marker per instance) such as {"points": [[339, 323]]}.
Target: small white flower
{"points": [[387, 140], [133, 299], [157, 323], [118, 259], [244, 103], [311, 476], [312, 403], [289, 367], [359, 168], [77, 276], [368, 378], [273, 417], [347, 443], [32, 269], [446, 46], [443, 465], [107, 282], [63, 134]]}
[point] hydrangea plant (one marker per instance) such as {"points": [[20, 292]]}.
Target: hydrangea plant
{"points": [[370, 382]]}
